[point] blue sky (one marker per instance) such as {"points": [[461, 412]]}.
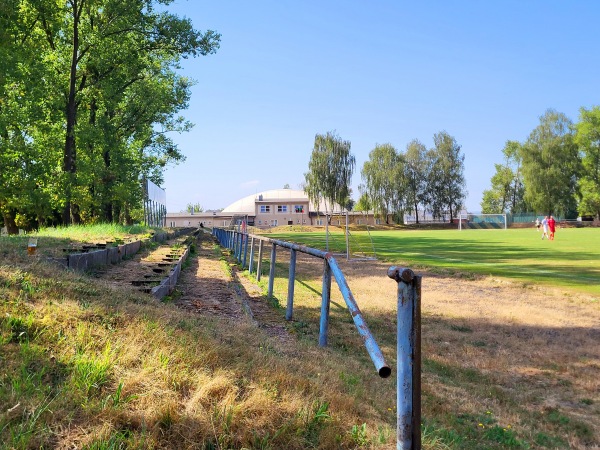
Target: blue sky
{"points": [[374, 72]]}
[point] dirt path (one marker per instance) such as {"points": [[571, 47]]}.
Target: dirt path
{"points": [[208, 287]]}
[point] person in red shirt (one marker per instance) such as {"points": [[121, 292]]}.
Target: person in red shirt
{"points": [[551, 227]]}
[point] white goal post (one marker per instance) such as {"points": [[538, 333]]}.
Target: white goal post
{"points": [[482, 221]]}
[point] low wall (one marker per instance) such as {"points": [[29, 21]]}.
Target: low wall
{"points": [[114, 255], [168, 284]]}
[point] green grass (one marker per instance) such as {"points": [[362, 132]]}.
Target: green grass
{"points": [[570, 261]]}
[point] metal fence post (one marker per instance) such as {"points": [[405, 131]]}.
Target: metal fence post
{"points": [[331, 270], [245, 240], [259, 262], [272, 270], [325, 303], [251, 262], [408, 395], [291, 278]]}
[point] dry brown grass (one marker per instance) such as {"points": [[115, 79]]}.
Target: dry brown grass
{"points": [[501, 361], [527, 356]]}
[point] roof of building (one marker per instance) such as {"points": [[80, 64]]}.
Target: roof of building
{"points": [[246, 205]]}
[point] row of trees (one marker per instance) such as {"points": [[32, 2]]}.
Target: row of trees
{"points": [[89, 95], [555, 171], [393, 182]]}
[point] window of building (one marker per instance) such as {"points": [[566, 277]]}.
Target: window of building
{"points": [[225, 223], [273, 222], [281, 208], [265, 208], [299, 209], [359, 221], [319, 221], [377, 221]]}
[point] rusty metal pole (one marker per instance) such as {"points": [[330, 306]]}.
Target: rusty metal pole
{"points": [[291, 278], [325, 303], [408, 395], [272, 270]]}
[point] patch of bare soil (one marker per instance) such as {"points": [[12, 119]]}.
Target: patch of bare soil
{"points": [[205, 287], [208, 287], [537, 345]]}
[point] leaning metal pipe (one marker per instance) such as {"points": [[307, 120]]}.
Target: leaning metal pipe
{"points": [[373, 349], [371, 345]]}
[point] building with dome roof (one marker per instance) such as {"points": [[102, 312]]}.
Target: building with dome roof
{"points": [[265, 209]]}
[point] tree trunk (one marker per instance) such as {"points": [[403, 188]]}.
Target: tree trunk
{"points": [[107, 206], [69, 157], [128, 219], [9, 222]]}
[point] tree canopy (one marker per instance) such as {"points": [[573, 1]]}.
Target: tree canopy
{"points": [[551, 165], [383, 178], [507, 191], [588, 139], [418, 179], [90, 97], [330, 171]]}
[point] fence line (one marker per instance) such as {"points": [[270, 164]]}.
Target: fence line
{"points": [[236, 241], [408, 396]]}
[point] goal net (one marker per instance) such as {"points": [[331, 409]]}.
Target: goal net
{"points": [[482, 221], [356, 246]]}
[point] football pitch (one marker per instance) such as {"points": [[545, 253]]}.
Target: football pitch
{"points": [[571, 260]]}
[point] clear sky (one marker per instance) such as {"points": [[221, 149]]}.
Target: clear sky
{"points": [[374, 72]]}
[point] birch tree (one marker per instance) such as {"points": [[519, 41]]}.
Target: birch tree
{"points": [[330, 171]]}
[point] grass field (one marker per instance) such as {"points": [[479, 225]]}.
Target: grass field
{"points": [[571, 261], [89, 364]]}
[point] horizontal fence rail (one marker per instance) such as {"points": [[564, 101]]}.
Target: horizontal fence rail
{"points": [[238, 243]]}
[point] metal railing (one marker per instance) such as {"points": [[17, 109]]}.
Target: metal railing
{"points": [[408, 395], [239, 242]]}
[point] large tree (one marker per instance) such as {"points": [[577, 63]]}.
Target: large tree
{"points": [[507, 191], [446, 183], [551, 166], [588, 140], [108, 67], [28, 161], [384, 181], [330, 171]]}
